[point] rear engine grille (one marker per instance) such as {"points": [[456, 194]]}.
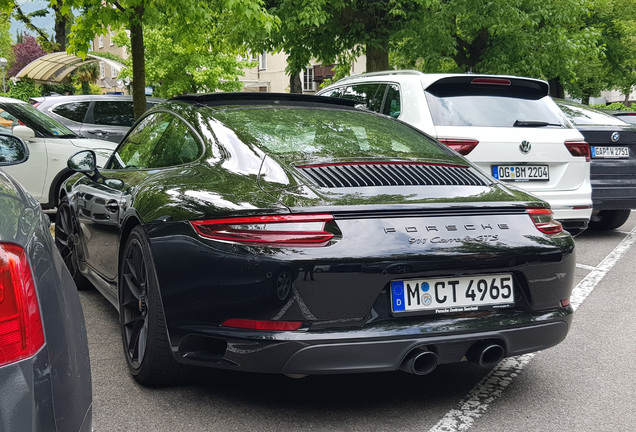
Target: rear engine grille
{"points": [[358, 174]]}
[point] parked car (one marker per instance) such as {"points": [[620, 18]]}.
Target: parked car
{"points": [[50, 145], [626, 116], [508, 126], [104, 117], [45, 377], [205, 226], [613, 147]]}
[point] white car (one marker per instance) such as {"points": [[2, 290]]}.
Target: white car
{"points": [[508, 126], [50, 145]]}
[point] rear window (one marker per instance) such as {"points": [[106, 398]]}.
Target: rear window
{"points": [[327, 132], [582, 116]]}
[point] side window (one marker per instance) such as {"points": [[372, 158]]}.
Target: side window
{"points": [[392, 103], [337, 92], [7, 121], [137, 150], [75, 111], [113, 113], [178, 145], [369, 95]]}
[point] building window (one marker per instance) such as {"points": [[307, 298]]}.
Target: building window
{"points": [[308, 79], [114, 72], [102, 70], [112, 36], [101, 41], [262, 61]]}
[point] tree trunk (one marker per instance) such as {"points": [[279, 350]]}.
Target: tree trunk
{"points": [[138, 62], [378, 57], [295, 85], [556, 88], [60, 27]]}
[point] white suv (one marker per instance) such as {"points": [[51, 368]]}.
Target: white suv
{"points": [[508, 126]]}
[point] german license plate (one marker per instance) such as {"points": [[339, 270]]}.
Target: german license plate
{"points": [[445, 295], [610, 152], [521, 172]]}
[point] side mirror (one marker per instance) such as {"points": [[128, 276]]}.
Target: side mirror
{"points": [[13, 150], [83, 162], [26, 133]]}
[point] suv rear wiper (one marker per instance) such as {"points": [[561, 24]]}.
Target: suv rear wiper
{"points": [[534, 123]]}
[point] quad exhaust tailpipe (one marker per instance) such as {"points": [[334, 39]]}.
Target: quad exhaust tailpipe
{"points": [[486, 354], [419, 361]]}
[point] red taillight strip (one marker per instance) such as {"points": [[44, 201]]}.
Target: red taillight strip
{"points": [[492, 81], [263, 325], [234, 230], [461, 146], [543, 219], [21, 331], [381, 163], [579, 149]]}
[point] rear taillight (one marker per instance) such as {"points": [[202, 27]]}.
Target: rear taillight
{"points": [[579, 149], [543, 219], [263, 325], [281, 230], [461, 146], [21, 332], [35, 104], [492, 81]]}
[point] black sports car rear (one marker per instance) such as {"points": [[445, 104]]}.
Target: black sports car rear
{"points": [[613, 170], [298, 235]]}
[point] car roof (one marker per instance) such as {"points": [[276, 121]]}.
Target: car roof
{"points": [[10, 100], [429, 78], [257, 98]]}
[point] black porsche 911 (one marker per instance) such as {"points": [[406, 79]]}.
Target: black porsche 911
{"points": [[300, 235]]}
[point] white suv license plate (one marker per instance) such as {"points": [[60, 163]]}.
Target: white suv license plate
{"points": [[521, 172], [610, 152], [446, 295]]}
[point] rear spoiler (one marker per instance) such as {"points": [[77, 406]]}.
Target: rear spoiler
{"points": [[488, 85]]}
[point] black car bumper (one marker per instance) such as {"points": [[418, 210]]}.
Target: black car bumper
{"points": [[608, 195]]}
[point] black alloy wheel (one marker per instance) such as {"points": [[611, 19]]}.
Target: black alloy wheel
{"points": [[66, 242], [143, 326], [606, 220]]}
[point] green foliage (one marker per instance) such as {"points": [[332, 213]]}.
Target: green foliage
{"points": [[613, 106], [48, 89], [23, 90]]}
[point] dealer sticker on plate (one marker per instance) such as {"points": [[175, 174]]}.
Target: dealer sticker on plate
{"points": [[445, 295]]}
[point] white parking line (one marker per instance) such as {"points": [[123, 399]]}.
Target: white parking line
{"points": [[492, 386], [585, 267]]}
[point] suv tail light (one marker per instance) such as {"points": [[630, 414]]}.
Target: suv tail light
{"points": [[579, 149], [280, 230], [21, 332], [543, 219], [461, 146]]}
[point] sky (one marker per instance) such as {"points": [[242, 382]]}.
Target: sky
{"points": [[47, 22]]}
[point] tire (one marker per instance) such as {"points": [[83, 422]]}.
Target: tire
{"points": [[66, 242], [607, 220], [143, 325]]}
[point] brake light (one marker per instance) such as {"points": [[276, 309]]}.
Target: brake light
{"points": [[491, 81], [21, 332], [579, 149], [281, 230], [263, 325], [35, 104], [461, 146], [543, 219]]}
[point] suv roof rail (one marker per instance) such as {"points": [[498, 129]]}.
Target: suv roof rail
{"points": [[380, 73], [252, 98]]}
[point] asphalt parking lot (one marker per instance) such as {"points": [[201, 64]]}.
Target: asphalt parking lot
{"points": [[587, 383]]}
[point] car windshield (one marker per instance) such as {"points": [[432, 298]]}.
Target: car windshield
{"points": [[493, 111], [36, 120], [582, 116], [306, 132]]}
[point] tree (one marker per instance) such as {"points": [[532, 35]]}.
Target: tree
{"points": [[538, 38], [6, 50], [63, 17], [185, 18], [339, 31], [85, 75], [24, 54]]}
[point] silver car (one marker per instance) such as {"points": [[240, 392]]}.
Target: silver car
{"points": [[45, 376], [105, 117]]}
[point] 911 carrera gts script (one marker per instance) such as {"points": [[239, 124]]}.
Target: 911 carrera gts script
{"points": [[467, 239]]}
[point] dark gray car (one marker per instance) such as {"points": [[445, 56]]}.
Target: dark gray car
{"points": [[105, 117], [45, 378]]}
